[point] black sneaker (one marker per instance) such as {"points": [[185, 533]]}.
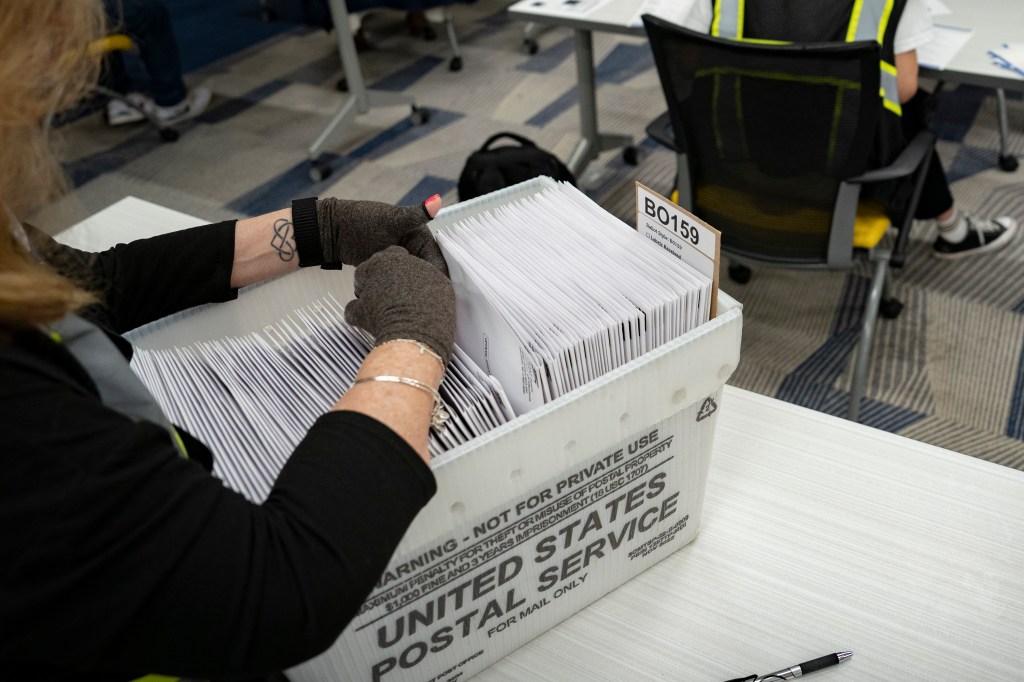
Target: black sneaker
{"points": [[983, 236]]}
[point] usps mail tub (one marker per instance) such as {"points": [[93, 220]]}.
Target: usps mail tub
{"points": [[540, 517], [533, 521]]}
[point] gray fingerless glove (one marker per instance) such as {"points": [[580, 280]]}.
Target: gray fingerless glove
{"points": [[420, 243], [400, 296], [352, 231]]}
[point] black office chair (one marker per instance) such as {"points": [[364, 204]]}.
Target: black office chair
{"points": [[317, 13], [774, 143]]}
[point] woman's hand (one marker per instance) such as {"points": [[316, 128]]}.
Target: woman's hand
{"points": [[353, 231], [400, 296], [347, 232]]}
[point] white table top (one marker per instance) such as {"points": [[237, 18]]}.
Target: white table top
{"points": [[819, 535], [129, 219], [994, 22], [611, 17]]}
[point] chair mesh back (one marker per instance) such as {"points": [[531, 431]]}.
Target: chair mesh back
{"points": [[819, 21], [770, 131]]}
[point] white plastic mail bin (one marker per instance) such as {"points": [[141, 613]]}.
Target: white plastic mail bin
{"points": [[544, 515], [536, 519]]}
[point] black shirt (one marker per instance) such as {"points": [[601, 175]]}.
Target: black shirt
{"points": [[120, 558]]}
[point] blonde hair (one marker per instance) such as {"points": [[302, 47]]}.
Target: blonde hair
{"points": [[45, 67]]}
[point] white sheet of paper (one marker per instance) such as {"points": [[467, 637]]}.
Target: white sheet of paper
{"points": [[947, 42]]}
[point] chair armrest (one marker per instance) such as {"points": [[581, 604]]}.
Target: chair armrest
{"points": [[660, 130], [905, 164]]}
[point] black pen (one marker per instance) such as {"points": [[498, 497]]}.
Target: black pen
{"points": [[799, 670]]}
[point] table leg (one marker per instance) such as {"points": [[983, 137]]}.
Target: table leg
{"points": [[1007, 161], [591, 141], [360, 100]]}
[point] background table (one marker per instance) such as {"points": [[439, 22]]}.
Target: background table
{"points": [[613, 17], [994, 22], [129, 219]]}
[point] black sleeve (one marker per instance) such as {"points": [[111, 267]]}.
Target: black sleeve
{"points": [[149, 278], [121, 556]]}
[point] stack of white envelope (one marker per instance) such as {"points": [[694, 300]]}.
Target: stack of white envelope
{"points": [[252, 398], [553, 291]]}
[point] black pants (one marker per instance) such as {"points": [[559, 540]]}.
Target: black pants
{"points": [[935, 195], [148, 22]]}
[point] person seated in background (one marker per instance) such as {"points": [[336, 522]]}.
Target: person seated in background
{"points": [[908, 27], [122, 554], [148, 23]]}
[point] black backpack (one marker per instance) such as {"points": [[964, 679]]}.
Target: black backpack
{"points": [[489, 169]]}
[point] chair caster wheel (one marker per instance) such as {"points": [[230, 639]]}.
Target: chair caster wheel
{"points": [[631, 155], [455, 64], [419, 115], [890, 308], [739, 273], [341, 85], [530, 45], [1008, 162], [169, 134], [429, 32], [268, 14], [320, 171]]}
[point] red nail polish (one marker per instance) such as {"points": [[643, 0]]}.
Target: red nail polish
{"points": [[426, 204]]}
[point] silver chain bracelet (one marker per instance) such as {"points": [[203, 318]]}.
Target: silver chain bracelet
{"points": [[438, 415]]}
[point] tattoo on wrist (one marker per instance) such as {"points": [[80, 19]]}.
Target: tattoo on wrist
{"points": [[284, 239]]}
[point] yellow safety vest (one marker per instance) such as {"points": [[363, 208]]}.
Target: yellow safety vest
{"points": [[869, 20]]}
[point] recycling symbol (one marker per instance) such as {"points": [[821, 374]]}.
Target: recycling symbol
{"points": [[706, 409]]}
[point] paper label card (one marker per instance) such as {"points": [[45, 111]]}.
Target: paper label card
{"points": [[666, 224], [942, 49]]}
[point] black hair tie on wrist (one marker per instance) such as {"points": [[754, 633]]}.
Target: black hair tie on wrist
{"points": [[307, 235]]}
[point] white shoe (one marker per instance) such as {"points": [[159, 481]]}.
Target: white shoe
{"points": [[194, 104], [121, 113]]}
